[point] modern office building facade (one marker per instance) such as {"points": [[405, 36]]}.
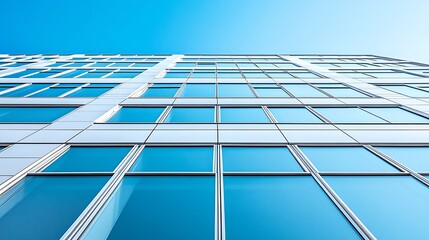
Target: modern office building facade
{"points": [[213, 147]]}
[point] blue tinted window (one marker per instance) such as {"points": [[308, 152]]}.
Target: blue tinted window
{"points": [[409, 91], [174, 159], [143, 65], [259, 159], [268, 91], [292, 207], [123, 74], [349, 115], [89, 159], [391, 207], [160, 92], [416, 158], [30, 115], [190, 115], [303, 90], [172, 74], [52, 92], [343, 92], [243, 115], [234, 90], [162, 208], [236, 74], [89, 92], [136, 114], [94, 74], [72, 74], [21, 74], [294, 115], [45, 207], [199, 90], [6, 86], [397, 115], [26, 90], [346, 159]]}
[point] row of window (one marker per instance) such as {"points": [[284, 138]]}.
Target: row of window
{"points": [[240, 159], [189, 73], [207, 90], [75, 73], [55, 90], [103, 64], [411, 90], [378, 74], [348, 59], [234, 65], [259, 115], [369, 65]]}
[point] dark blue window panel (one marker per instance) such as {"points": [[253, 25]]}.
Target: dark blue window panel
{"points": [[163, 92], [58, 64], [32, 115], [111, 85], [6, 86], [89, 92], [101, 64], [26, 90], [89, 159], [243, 115], [174, 159], [45, 74], [391, 207], [416, 158], [161, 208], [191, 115], [78, 64], [44, 207], [294, 115], [72, 74], [52, 92], [259, 159], [279, 207], [199, 90], [21, 74], [136, 115]]}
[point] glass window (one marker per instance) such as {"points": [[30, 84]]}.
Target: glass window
{"points": [[294, 115], [408, 91], [346, 159], [32, 114], [303, 90], [21, 73], [136, 115], [6, 86], [243, 115], [89, 91], [391, 207], [269, 90], [164, 92], [174, 159], [229, 74], [177, 74], [162, 208], [279, 207], [259, 159], [52, 92], [190, 115], [397, 115], [199, 90], [23, 91], [144, 65], [416, 158], [234, 90], [44, 207], [89, 159], [340, 92], [95, 74], [349, 115], [123, 74]]}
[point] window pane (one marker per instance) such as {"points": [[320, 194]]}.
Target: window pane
{"points": [[161, 208], [123, 74], [174, 159], [21, 74], [199, 90], [271, 92], [278, 207], [243, 115], [349, 115], [294, 115], [392, 207], [409, 91], [164, 92], [45, 207], [52, 92], [190, 115], [343, 92], [234, 90], [89, 159], [135, 114], [32, 115], [26, 90], [346, 159], [397, 115], [416, 158], [89, 92], [303, 90], [259, 159]]}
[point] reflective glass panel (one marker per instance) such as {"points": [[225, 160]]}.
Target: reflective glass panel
{"points": [[136, 114], [243, 115], [190, 115], [294, 115]]}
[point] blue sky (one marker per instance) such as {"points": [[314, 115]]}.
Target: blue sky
{"points": [[397, 28]]}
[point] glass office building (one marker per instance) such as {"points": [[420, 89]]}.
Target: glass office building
{"points": [[232, 147]]}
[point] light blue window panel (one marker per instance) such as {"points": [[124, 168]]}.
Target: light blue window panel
{"points": [[190, 115], [286, 65], [344, 92], [304, 74], [136, 115], [203, 75], [26, 90], [243, 115], [89, 92], [44, 207], [254, 75], [229, 75], [246, 65], [121, 64], [185, 64], [18, 64], [46, 74], [270, 91], [234, 90], [355, 75], [199, 90], [226, 65], [408, 91], [294, 115], [279, 207], [397, 115], [259, 159], [72, 74], [174, 159], [95, 74], [101, 64], [392, 74], [349, 115], [416, 158], [346, 159], [52, 92], [111, 85], [391, 207], [78, 64], [32, 114], [144, 65], [123, 74], [280, 75], [163, 92], [172, 74], [161, 208], [22, 73], [303, 90], [89, 159]]}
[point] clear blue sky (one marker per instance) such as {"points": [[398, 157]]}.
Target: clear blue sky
{"points": [[396, 28]]}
